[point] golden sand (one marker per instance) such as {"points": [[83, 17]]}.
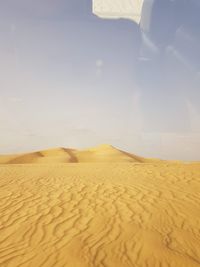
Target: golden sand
{"points": [[100, 207]]}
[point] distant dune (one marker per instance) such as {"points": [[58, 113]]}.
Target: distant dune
{"points": [[109, 209], [102, 153]]}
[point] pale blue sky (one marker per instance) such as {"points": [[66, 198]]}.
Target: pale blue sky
{"points": [[68, 78]]}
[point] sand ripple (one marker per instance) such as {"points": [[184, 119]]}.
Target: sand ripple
{"points": [[100, 215]]}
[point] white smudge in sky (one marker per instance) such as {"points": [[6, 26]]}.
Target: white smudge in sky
{"points": [[128, 9]]}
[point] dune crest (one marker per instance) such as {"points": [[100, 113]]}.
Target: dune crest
{"points": [[101, 153]]}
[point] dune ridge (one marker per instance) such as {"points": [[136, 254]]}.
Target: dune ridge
{"points": [[102, 153], [120, 213]]}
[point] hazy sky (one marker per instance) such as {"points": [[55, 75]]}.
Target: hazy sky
{"points": [[69, 78]]}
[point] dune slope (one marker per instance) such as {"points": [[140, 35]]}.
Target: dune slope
{"points": [[105, 214]]}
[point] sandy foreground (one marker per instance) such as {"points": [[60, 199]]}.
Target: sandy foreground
{"points": [[98, 213]]}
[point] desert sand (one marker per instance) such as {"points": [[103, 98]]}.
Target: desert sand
{"points": [[100, 207]]}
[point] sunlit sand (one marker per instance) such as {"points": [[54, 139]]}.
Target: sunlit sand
{"points": [[99, 207]]}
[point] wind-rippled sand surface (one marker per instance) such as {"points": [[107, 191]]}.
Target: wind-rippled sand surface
{"points": [[100, 215]]}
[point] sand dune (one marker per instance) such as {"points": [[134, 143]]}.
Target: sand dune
{"points": [[98, 214], [102, 153]]}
